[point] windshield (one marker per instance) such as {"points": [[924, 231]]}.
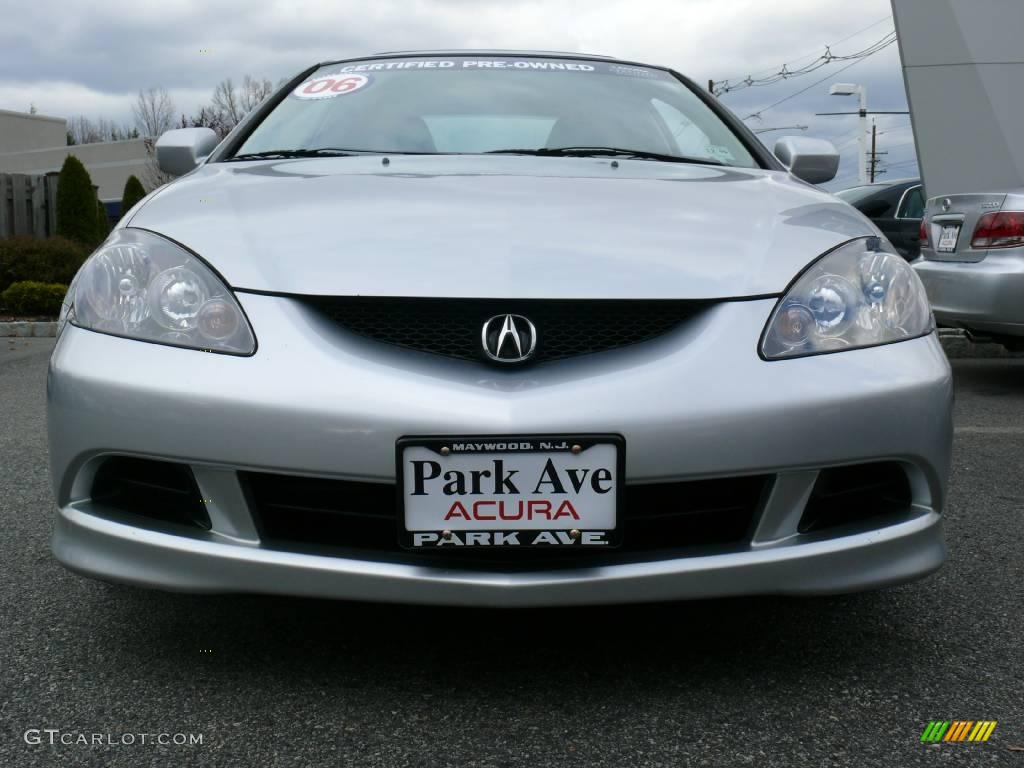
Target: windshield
{"points": [[444, 105]]}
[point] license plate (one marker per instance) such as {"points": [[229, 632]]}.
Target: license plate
{"points": [[948, 237], [510, 491]]}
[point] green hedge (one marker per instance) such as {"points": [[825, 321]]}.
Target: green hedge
{"points": [[133, 192], [76, 204], [53, 260], [32, 298], [102, 222]]}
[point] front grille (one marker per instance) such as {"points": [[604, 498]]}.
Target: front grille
{"points": [[159, 490], [452, 327], [360, 519], [851, 494]]}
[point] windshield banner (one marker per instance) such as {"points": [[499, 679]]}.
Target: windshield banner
{"points": [[512, 63]]}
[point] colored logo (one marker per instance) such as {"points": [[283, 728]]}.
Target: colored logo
{"points": [[958, 730]]}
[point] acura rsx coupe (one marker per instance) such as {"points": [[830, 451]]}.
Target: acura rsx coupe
{"points": [[497, 329]]}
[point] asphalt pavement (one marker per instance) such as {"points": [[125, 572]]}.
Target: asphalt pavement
{"points": [[839, 681]]}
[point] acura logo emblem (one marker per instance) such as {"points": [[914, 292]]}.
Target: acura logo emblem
{"points": [[509, 339], [946, 204]]}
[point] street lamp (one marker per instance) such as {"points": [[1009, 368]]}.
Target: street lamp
{"points": [[850, 89]]}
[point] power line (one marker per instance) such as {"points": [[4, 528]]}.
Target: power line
{"points": [[897, 129], [818, 82], [823, 61], [811, 55], [790, 70]]}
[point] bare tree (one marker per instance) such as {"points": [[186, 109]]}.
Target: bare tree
{"points": [[154, 112], [208, 117], [230, 103], [254, 91], [83, 130], [152, 175], [227, 104]]}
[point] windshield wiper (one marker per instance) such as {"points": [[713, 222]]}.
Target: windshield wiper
{"points": [[280, 154], [283, 154], [636, 154]]}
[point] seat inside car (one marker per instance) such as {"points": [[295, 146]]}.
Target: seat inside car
{"points": [[395, 132], [586, 130]]}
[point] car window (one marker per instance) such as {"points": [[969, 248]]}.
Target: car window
{"points": [[912, 205], [466, 104]]}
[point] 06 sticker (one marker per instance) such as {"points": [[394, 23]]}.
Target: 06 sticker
{"points": [[329, 86]]}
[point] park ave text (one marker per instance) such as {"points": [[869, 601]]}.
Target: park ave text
{"points": [[472, 500]]}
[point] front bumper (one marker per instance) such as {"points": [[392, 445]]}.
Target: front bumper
{"points": [[985, 296], [316, 401], [101, 548]]}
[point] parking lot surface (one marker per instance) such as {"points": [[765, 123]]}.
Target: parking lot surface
{"points": [[839, 681]]}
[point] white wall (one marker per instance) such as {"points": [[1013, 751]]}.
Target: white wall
{"points": [[963, 64], [20, 131], [109, 163]]}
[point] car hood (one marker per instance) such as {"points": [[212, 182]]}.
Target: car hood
{"points": [[500, 227]]}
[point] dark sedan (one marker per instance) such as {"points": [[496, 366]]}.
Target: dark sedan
{"points": [[896, 207]]}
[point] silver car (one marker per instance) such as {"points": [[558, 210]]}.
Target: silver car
{"points": [[972, 248], [497, 329]]}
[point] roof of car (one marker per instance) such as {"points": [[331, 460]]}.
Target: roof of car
{"points": [[493, 52]]}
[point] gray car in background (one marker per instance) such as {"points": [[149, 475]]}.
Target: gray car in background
{"points": [[973, 264], [497, 329]]}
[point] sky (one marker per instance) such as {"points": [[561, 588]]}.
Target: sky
{"points": [[69, 57]]}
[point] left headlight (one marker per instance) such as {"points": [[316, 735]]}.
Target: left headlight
{"points": [[142, 286], [858, 295]]}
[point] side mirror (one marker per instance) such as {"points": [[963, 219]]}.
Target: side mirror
{"points": [[813, 160], [181, 150]]}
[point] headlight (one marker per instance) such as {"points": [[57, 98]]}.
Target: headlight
{"points": [[858, 295], [141, 286]]}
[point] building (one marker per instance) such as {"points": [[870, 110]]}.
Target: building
{"points": [[23, 132], [36, 144], [963, 65]]}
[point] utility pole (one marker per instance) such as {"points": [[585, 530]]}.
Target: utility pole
{"points": [[850, 89], [862, 139], [875, 154], [874, 148]]}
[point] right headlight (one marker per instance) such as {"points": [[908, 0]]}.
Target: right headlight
{"points": [[142, 286], [858, 295]]}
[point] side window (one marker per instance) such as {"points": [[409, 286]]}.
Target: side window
{"points": [[912, 206]]}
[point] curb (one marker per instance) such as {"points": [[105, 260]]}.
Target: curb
{"points": [[29, 329], [954, 341]]}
